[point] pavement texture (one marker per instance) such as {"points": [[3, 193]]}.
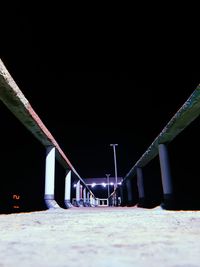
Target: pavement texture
{"points": [[101, 237]]}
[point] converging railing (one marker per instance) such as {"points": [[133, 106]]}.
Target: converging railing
{"points": [[16, 102], [185, 115]]}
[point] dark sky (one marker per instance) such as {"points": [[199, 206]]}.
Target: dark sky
{"points": [[86, 95]]}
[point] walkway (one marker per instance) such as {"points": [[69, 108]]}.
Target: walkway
{"points": [[101, 237]]}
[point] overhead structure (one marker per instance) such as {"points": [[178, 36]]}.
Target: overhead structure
{"points": [[16, 102]]}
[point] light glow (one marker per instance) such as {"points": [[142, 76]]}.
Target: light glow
{"points": [[93, 185]]}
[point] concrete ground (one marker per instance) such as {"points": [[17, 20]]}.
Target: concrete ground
{"points": [[101, 237]]}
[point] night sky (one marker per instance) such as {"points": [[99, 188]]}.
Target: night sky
{"points": [[85, 101]]}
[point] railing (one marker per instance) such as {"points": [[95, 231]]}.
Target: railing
{"points": [[183, 118], [185, 115], [16, 102]]}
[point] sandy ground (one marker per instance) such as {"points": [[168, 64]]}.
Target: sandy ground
{"points": [[101, 237]]}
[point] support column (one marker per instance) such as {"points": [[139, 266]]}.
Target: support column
{"points": [[78, 194], [81, 196], [123, 193], [84, 197], [50, 178], [140, 185], [110, 201], [166, 176], [115, 196], [130, 200], [88, 199], [91, 200], [67, 199]]}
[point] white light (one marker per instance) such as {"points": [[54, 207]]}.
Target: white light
{"points": [[120, 183], [93, 185], [104, 185], [111, 183], [74, 185]]}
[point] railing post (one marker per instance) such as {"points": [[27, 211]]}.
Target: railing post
{"points": [[117, 196], [124, 193], [113, 200], [88, 199], [81, 196], [50, 178], [67, 199], [84, 198], [129, 193], [121, 189], [166, 176], [78, 194], [92, 200], [140, 185]]}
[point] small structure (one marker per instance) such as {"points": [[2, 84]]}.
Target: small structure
{"points": [[103, 187]]}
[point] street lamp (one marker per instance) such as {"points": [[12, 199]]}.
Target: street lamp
{"points": [[115, 163], [108, 182]]}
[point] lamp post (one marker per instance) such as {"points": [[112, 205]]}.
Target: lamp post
{"points": [[115, 163], [115, 187], [108, 182]]}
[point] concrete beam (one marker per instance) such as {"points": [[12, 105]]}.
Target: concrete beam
{"points": [[16, 102], [184, 116]]}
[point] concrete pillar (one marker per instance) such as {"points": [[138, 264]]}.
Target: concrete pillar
{"points": [[78, 194], [140, 185], [88, 199], [112, 200], [130, 199], [67, 199], [50, 178], [117, 194], [84, 198], [92, 200], [81, 196], [166, 175], [121, 195]]}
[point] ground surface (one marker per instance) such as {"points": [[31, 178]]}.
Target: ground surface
{"points": [[101, 237]]}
